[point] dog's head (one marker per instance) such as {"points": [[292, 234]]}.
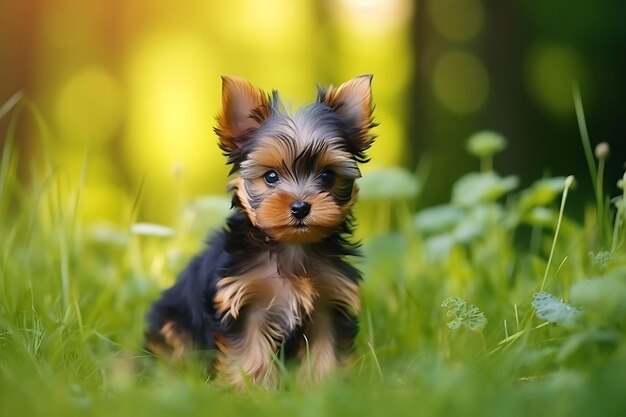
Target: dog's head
{"points": [[294, 174]]}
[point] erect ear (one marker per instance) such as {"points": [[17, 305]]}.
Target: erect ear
{"points": [[244, 107], [352, 101]]}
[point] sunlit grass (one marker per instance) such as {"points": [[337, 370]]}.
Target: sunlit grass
{"points": [[73, 298]]}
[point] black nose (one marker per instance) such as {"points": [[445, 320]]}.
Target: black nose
{"points": [[300, 209]]}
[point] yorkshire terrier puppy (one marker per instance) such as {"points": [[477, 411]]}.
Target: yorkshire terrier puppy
{"points": [[276, 281]]}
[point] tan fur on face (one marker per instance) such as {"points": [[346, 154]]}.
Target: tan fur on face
{"points": [[340, 161], [274, 213], [271, 154], [238, 186], [274, 216], [277, 155]]}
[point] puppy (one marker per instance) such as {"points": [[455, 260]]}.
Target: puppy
{"points": [[276, 281]]}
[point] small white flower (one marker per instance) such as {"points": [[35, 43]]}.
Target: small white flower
{"points": [[551, 309], [601, 258], [151, 229]]}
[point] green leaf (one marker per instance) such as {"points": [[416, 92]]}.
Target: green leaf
{"points": [[541, 216], [467, 231], [485, 143], [474, 188], [542, 192], [438, 247], [389, 183], [438, 218], [605, 296], [581, 341], [463, 314]]}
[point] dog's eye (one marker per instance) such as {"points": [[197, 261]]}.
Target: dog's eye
{"points": [[327, 177], [271, 177]]}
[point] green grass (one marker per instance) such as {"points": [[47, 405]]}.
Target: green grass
{"points": [[73, 298]]}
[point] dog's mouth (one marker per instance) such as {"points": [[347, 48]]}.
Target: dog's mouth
{"points": [[300, 225], [285, 221], [300, 232]]}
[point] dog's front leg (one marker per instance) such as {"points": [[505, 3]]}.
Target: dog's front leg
{"points": [[247, 352], [250, 334], [329, 333]]}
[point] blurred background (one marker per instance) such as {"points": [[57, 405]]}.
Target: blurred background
{"points": [[120, 95]]}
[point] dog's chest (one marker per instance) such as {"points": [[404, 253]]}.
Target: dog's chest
{"points": [[280, 290]]}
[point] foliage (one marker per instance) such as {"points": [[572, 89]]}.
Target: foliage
{"points": [[73, 297], [463, 314]]}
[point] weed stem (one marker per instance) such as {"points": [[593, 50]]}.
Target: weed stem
{"points": [[584, 136], [568, 183], [619, 217]]}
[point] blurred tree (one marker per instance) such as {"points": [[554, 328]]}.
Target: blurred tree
{"points": [[533, 52], [135, 85]]}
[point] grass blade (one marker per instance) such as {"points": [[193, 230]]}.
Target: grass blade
{"points": [[10, 103]]}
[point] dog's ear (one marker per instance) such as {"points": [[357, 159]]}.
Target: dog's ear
{"points": [[352, 101], [244, 107]]}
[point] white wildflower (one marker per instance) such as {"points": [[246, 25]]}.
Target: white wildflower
{"points": [[151, 229], [601, 258], [551, 309]]}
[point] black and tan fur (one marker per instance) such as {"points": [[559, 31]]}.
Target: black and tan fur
{"points": [[277, 279]]}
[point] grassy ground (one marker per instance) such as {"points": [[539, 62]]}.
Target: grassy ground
{"points": [[476, 307]]}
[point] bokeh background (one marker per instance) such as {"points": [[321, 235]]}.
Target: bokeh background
{"points": [[120, 95]]}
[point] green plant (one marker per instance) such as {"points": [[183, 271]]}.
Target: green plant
{"points": [[531, 324]]}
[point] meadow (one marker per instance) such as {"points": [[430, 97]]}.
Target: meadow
{"points": [[495, 303]]}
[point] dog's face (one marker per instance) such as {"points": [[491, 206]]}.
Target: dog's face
{"points": [[294, 175]]}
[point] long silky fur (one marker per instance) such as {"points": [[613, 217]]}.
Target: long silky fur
{"points": [[256, 293]]}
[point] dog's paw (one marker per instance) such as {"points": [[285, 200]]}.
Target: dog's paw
{"points": [[170, 341]]}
